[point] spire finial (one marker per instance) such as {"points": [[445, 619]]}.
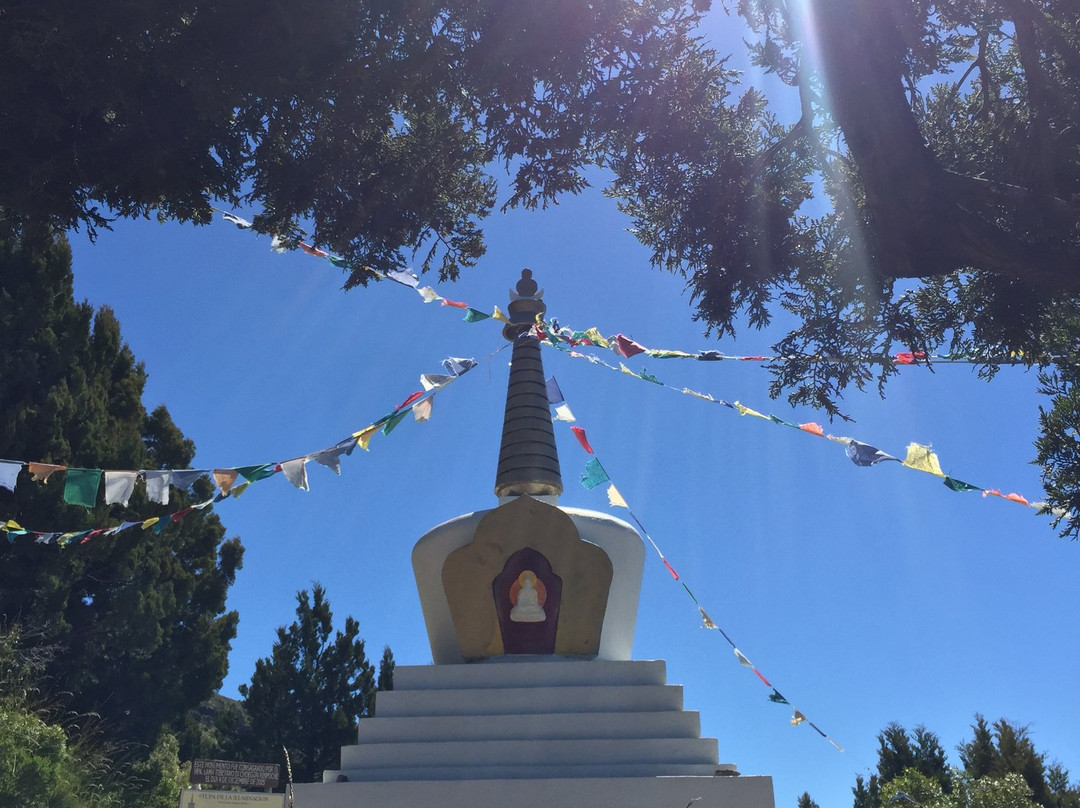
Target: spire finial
{"points": [[528, 460]]}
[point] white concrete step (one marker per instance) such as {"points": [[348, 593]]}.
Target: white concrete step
{"points": [[668, 724], [525, 771], [531, 753], [528, 671], [527, 700]]}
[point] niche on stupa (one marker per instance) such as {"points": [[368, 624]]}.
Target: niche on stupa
{"points": [[527, 584]]}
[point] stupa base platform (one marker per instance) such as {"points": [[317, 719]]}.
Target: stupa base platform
{"points": [[534, 732], [590, 792]]}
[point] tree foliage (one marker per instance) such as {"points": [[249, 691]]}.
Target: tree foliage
{"points": [[140, 616], [926, 198], [1000, 769], [374, 120], [308, 695]]}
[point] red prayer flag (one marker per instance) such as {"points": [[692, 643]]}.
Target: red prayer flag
{"points": [[813, 429], [624, 346], [1017, 498], [762, 678], [176, 517], [670, 568], [310, 250], [909, 357], [579, 433], [408, 401], [454, 303]]}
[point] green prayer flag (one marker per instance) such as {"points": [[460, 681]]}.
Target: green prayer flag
{"points": [[594, 474], [255, 473], [957, 485], [475, 315], [649, 378], [81, 487], [776, 698], [394, 420]]}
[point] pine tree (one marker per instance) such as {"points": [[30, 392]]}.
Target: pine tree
{"points": [[308, 695], [139, 616]]}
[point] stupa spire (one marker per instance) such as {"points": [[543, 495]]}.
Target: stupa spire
{"points": [[528, 460]]}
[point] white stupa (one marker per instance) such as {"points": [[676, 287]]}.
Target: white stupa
{"points": [[533, 700]]}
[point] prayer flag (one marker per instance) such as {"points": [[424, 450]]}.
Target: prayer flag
{"points": [[331, 458], [1017, 498], [41, 471], [696, 394], [239, 489], [403, 277], [81, 487], [909, 357], [12, 526], [813, 429], [579, 433], [457, 304], [148, 523], [759, 675], [119, 486], [225, 479], [428, 294], [797, 718], [670, 568], [614, 498], [921, 458], [296, 472], [474, 315], [863, 454], [782, 422], [9, 473], [746, 663], [456, 366], [157, 485], [776, 698], [363, 437], [747, 411], [706, 621], [255, 473], [310, 250], [710, 356], [279, 244], [594, 336], [433, 381], [421, 410], [496, 312], [243, 224], [47, 538], [554, 394], [648, 377], [562, 413], [958, 485], [409, 400], [393, 421], [185, 478], [624, 346], [594, 474], [659, 354]]}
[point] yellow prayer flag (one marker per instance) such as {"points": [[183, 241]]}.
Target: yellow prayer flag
{"points": [[627, 370], [706, 621], [497, 314], [363, 437], [11, 524], [797, 718], [149, 523], [747, 411], [921, 458], [614, 498], [593, 335]]}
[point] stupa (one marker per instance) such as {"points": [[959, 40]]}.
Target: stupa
{"points": [[532, 700]]}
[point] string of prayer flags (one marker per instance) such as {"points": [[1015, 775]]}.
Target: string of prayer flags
{"points": [[81, 486], [593, 466], [918, 458]]}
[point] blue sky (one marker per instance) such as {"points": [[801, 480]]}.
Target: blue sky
{"points": [[864, 595]]}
